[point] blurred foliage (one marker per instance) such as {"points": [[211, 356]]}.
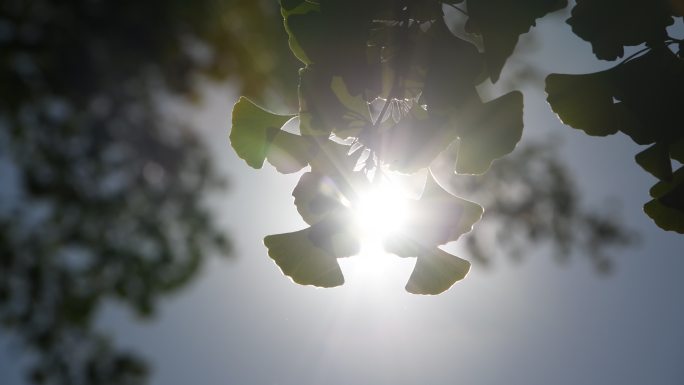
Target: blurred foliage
{"points": [[103, 197], [531, 201]]}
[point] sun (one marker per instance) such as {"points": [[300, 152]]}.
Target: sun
{"points": [[378, 213]]}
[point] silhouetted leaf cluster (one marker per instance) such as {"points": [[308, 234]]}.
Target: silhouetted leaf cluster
{"points": [[386, 87], [642, 96]]}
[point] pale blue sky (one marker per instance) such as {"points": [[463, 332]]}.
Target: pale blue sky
{"points": [[242, 322]]}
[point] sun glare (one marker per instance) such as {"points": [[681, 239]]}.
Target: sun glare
{"points": [[379, 212]]}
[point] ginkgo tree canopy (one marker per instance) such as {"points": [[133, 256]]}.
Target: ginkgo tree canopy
{"points": [[387, 87]]}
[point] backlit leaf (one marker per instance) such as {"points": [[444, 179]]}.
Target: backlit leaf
{"points": [[414, 141], [253, 131], [302, 261], [488, 132], [436, 271], [501, 22], [296, 7], [437, 218], [317, 196], [326, 105]]}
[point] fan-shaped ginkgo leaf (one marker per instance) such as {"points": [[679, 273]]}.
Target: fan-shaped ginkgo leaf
{"points": [[656, 160], [667, 207], [488, 132], [501, 22], [640, 97], [309, 256], [445, 87], [436, 271], [585, 102], [610, 25], [414, 141], [677, 149], [290, 8], [326, 105], [316, 196], [256, 135], [439, 217]]}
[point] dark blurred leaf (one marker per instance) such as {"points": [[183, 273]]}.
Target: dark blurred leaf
{"points": [[454, 69], [641, 97], [610, 25], [489, 131], [656, 161], [667, 207], [501, 22], [586, 102]]}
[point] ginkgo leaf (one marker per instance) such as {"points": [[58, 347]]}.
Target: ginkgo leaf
{"points": [[296, 7], [454, 66], [674, 198], [326, 106], [425, 11], [677, 149], [501, 22], [333, 159], [334, 27], [585, 102], [651, 87], [656, 160], [436, 271], [357, 115], [288, 152], [488, 132], [610, 25], [437, 218], [667, 207], [640, 97], [253, 131], [316, 196], [666, 218], [304, 262], [414, 141], [309, 256]]}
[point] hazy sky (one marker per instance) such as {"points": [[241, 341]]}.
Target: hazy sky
{"points": [[242, 322]]}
